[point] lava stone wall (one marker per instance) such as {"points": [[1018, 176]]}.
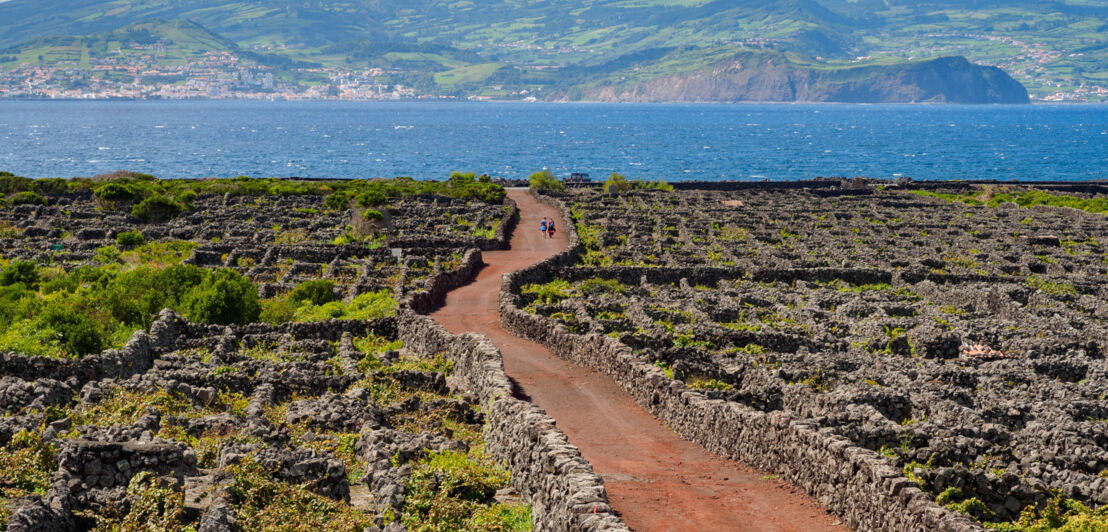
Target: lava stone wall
{"points": [[134, 357], [565, 492], [438, 285], [498, 242], [854, 483]]}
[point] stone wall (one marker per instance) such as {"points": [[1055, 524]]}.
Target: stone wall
{"points": [[93, 477], [439, 284], [549, 471], [135, 357], [511, 218], [498, 242], [854, 483]]}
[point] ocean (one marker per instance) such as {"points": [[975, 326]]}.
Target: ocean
{"points": [[190, 139]]}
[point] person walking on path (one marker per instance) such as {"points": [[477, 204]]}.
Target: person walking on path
{"points": [[542, 227], [550, 227]]}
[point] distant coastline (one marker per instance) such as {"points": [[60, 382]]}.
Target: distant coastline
{"points": [[1039, 103]]}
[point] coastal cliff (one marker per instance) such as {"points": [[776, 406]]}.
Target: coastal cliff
{"points": [[773, 77]]}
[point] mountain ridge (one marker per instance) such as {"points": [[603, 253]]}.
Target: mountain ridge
{"points": [[941, 80]]}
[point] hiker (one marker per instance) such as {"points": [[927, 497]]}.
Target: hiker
{"points": [[542, 227], [550, 228]]}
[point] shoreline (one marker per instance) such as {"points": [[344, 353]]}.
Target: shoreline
{"points": [[1032, 103]]}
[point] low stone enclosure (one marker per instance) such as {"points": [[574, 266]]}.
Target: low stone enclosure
{"points": [[249, 223], [912, 361], [351, 422], [915, 357], [308, 401], [276, 241]]}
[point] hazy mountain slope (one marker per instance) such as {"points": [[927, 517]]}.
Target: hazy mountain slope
{"points": [[248, 22], [186, 40], [770, 76]]}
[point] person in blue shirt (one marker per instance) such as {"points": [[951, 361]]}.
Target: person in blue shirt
{"points": [[542, 227]]}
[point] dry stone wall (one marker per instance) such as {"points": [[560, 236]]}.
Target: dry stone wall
{"points": [[285, 397], [855, 483], [565, 492], [196, 363]]}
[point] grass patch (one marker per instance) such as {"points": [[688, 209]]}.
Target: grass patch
{"points": [[452, 491], [267, 504]]}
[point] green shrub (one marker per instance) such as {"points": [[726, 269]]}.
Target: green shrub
{"points": [[617, 183], [371, 214], [125, 407], [486, 192], [176, 281], [53, 185], [655, 185], [372, 198], [135, 297], [90, 308], [225, 297], [597, 285], [318, 292], [21, 272], [367, 306], [1032, 198], [545, 180], [293, 188], [550, 293], [13, 300], [466, 186], [28, 461], [10, 184], [160, 254], [1058, 288], [115, 192], [77, 333], [710, 384], [156, 209], [1061, 514], [339, 200], [154, 506], [266, 504], [130, 239], [186, 198], [26, 198], [108, 255], [277, 310], [448, 490]]}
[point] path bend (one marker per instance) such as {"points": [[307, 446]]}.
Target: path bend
{"points": [[655, 480]]}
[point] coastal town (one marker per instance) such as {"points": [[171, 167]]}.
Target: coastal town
{"points": [[214, 75]]}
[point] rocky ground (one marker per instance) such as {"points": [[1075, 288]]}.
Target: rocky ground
{"points": [[277, 241], [335, 424], [964, 342]]}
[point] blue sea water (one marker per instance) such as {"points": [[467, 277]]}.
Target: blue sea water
{"points": [[672, 142]]}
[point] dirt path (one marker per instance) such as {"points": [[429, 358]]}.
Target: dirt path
{"points": [[656, 480]]}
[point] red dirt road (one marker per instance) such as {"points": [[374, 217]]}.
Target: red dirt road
{"points": [[655, 480]]}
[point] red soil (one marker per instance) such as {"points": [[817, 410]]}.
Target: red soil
{"points": [[655, 479]]}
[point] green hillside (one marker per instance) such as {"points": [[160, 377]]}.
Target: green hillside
{"points": [[184, 40], [464, 47]]}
